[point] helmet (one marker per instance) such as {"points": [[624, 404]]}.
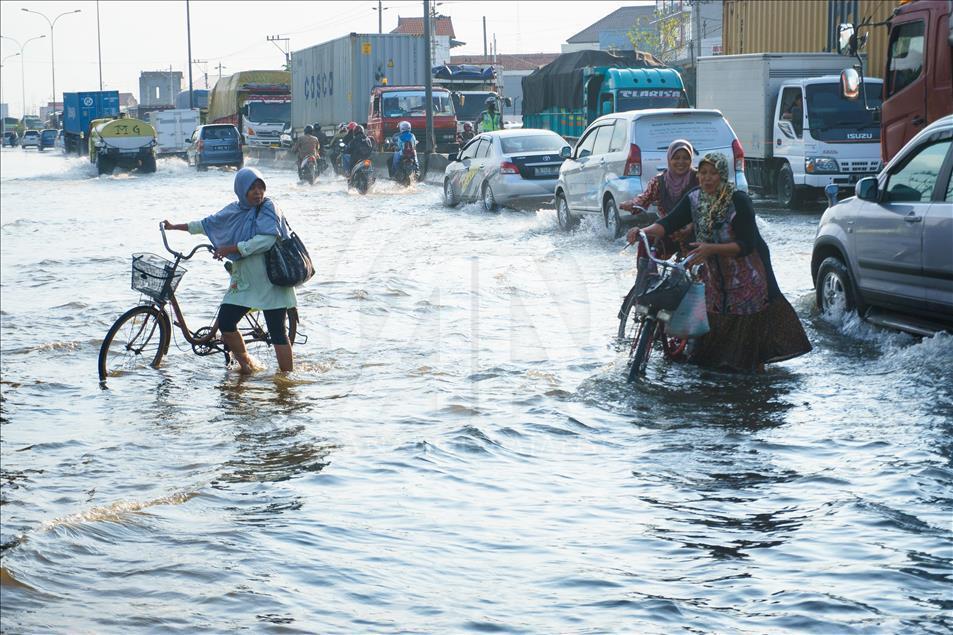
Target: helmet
{"points": [[359, 130], [351, 126], [404, 126], [467, 125], [308, 129], [342, 127], [490, 101]]}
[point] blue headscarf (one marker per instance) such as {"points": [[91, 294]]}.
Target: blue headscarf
{"points": [[239, 221]]}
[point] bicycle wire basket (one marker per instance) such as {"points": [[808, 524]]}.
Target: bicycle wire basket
{"points": [[155, 276]]}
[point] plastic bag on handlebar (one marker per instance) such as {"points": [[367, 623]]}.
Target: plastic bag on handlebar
{"points": [[665, 292]]}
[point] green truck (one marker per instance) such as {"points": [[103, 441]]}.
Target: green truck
{"points": [[575, 89]]}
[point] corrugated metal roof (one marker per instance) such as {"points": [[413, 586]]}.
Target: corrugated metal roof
{"points": [[510, 62], [442, 25], [621, 18]]}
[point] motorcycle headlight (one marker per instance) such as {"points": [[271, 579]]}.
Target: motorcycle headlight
{"points": [[818, 165]]}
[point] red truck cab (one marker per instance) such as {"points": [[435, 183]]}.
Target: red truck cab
{"points": [[389, 105]]}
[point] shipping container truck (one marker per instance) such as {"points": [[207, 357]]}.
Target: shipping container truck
{"points": [[918, 71], [798, 132], [331, 82], [79, 110], [122, 142], [172, 128], [258, 103], [575, 89]]}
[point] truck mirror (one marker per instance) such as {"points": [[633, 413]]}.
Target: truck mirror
{"points": [[850, 83], [846, 42], [866, 189], [508, 101]]}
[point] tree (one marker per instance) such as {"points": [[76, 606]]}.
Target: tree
{"points": [[659, 35]]}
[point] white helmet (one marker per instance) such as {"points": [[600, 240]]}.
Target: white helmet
{"points": [[404, 126]]}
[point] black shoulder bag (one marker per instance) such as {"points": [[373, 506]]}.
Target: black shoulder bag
{"points": [[287, 262]]}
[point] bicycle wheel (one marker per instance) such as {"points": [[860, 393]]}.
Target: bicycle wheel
{"points": [[139, 338], [642, 348], [255, 330], [628, 319]]}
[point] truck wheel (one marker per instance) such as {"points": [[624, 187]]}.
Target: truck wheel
{"points": [[148, 165], [104, 165], [564, 217], [834, 289], [789, 195]]}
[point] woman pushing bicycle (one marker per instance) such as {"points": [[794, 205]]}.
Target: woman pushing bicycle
{"points": [[241, 233], [751, 321]]}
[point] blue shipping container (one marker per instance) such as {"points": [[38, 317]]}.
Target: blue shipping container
{"points": [[81, 108]]}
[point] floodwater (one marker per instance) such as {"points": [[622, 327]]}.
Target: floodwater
{"points": [[457, 450]]}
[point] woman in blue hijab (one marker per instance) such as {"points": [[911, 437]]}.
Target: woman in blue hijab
{"points": [[242, 232]]}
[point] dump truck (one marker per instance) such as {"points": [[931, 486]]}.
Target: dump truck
{"points": [[79, 110], [575, 89], [793, 152], [122, 142], [258, 103]]}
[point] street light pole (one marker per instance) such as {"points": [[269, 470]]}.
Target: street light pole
{"points": [[1, 77], [23, 70], [52, 23]]}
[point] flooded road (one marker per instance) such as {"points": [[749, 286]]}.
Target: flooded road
{"points": [[457, 450]]}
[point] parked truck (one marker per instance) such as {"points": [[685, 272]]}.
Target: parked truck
{"points": [[81, 109], [122, 142], [258, 103], [470, 86], [575, 89], [798, 132], [172, 128], [918, 70], [332, 81]]}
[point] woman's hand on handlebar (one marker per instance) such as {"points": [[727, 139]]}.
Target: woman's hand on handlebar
{"points": [[652, 231], [629, 206], [166, 224]]}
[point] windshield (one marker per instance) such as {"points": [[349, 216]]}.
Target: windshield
{"points": [[642, 99], [655, 133], [473, 104], [831, 117], [269, 112], [532, 143], [411, 103]]}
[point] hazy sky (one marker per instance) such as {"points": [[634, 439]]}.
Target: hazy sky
{"points": [[139, 36]]}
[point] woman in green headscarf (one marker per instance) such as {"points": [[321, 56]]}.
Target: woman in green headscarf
{"points": [[751, 321]]}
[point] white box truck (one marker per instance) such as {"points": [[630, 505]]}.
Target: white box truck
{"points": [[172, 129], [798, 132]]}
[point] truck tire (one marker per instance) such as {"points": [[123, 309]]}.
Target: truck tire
{"points": [[147, 165], [104, 165], [789, 195]]}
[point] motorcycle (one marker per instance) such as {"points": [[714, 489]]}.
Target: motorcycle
{"points": [[308, 169], [408, 172], [362, 176]]}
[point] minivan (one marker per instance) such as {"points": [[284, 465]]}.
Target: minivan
{"points": [[215, 144], [619, 153]]}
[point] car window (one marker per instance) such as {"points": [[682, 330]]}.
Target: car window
{"points": [[584, 148], [602, 140], [532, 143], [485, 149], [948, 197], [220, 133], [469, 151], [915, 178], [618, 135], [905, 56]]}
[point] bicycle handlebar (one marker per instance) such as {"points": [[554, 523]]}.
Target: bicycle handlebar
{"points": [[179, 254]]}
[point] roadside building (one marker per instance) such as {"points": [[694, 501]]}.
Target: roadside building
{"points": [[803, 26], [442, 36], [510, 72], [612, 31], [159, 88], [127, 101]]}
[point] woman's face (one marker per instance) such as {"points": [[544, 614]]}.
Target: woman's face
{"points": [[708, 178], [681, 162], [256, 193]]}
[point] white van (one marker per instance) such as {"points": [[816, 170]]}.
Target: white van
{"points": [[619, 154]]}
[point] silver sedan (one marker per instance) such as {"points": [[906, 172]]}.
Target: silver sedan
{"points": [[506, 168]]}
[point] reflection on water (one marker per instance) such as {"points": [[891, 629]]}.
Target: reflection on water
{"points": [[457, 450]]}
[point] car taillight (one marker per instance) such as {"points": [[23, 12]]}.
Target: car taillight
{"points": [[200, 145], [739, 154], [507, 167], [633, 163]]}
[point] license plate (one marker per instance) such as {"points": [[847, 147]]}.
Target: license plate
{"points": [[547, 171], [220, 148]]}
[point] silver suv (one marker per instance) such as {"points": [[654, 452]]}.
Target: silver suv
{"points": [[618, 155], [888, 251]]}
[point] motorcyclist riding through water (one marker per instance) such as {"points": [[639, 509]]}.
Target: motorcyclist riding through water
{"points": [[307, 145], [489, 120], [358, 148], [404, 139], [466, 134]]}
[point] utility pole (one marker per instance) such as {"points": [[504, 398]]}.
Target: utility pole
{"points": [[204, 70], [484, 36], [697, 11], [220, 67], [188, 31], [171, 87], [99, 47], [428, 85], [274, 39]]}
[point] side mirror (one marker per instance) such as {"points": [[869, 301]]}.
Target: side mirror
{"points": [[866, 189], [565, 152], [850, 83], [188, 139], [846, 42], [507, 101], [452, 157], [830, 191]]}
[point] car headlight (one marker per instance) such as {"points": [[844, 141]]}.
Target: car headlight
{"points": [[818, 165]]}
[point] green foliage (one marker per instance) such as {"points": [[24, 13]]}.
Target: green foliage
{"points": [[661, 38]]}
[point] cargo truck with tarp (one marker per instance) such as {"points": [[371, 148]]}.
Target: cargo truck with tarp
{"points": [[470, 86], [258, 103], [80, 110], [575, 89]]}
